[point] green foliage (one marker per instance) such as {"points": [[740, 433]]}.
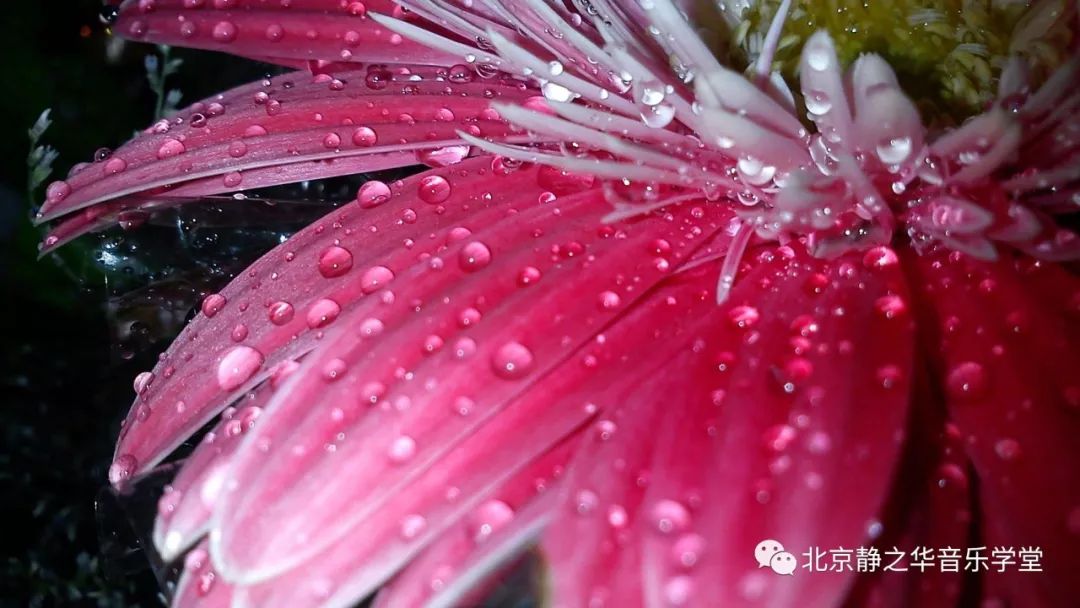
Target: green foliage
{"points": [[158, 71], [39, 162]]}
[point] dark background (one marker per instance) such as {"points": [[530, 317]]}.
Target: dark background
{"points": [[77, 327]]}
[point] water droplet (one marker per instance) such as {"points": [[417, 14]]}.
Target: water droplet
{"points": [[528, 276], [402, 449], [586, 502], [372, 194], [513, 360], [445, 156], [488, 518], [880, 257], [375, 278], [894, 151], [966, 381], [412, 526], [670, 516], [280, 313], [334, 369], [678, 590], [332, 141], [322, 313], [891, 306], [224, 31], [122, 468], [115, 165], [687, 550], [609, 300], [335, 261], [239, 333], [743, 317], [1007, 449], [818, 56], [364, 137], [142, 382], [474, 256], [237, 366], [169, 148], [817, 102], [434, 189], [212, 304], [57, 191], [779, 437], [468, 317]]}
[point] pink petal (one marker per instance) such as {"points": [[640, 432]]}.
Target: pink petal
{"points": [[605, 379], [793, 433], [200, 586], [416, 371], [289, 128], [456, 567], [275, 296], [786, 425], [185, 508], [1007, 364], [333, 30], [503, 466]]}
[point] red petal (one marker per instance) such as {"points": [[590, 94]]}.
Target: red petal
{"points": [[593, 271], [275, 296], [930, 507], [332, 30], [781, 429], [289, 128], [1007, 364]]}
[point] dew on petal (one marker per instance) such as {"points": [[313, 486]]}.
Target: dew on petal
{"points": [[966, 381], [212, 304], [237, 366], [322, 313], [335, 261], [474, 256], [513, 360]]}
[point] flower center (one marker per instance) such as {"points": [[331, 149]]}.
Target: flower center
{"points": [[948, 54]]}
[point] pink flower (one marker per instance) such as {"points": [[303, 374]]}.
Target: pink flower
{"points": [[636, 310]]}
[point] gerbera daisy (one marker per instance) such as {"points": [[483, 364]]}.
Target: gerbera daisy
{"points": [[638, 311]]}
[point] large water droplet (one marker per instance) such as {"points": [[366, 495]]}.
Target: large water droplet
{"points": [[894, 151], [434, 189], [335, 261], [237, 366], [364, 137], [169, 148], [373, 194], [474, 256], [322, 313], [512, 360], [375, 278], [280, 313], [212, 304], [488, 518], [402, 449], [142, 382]]}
